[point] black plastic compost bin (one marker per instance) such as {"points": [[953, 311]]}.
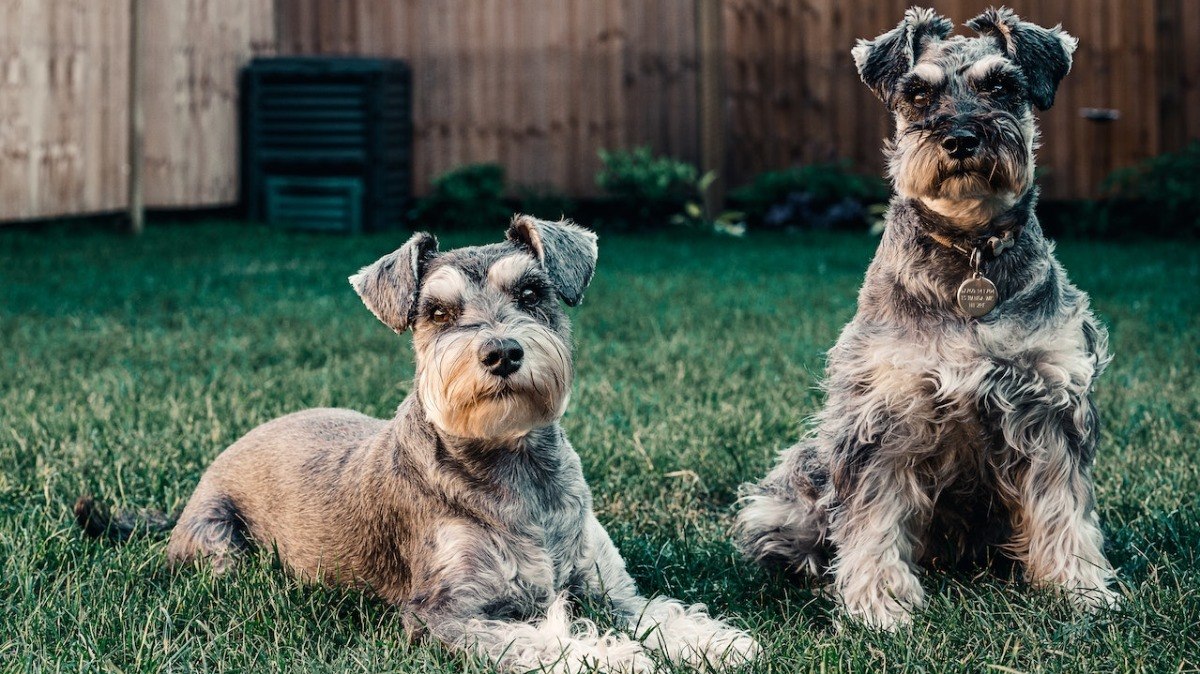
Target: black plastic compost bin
{"points": [[327, 142]]}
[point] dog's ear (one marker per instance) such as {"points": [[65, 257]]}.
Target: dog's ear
{"points": [[565, 250], [1043, 55], [389, 286], [883, 61]]}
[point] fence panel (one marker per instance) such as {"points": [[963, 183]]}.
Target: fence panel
{"points": [[62, 107], [193, 51]]}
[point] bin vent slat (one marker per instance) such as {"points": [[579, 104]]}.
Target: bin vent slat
{"points": [[332, 204]]}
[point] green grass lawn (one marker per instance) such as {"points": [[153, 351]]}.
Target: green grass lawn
{"points": [[126, 366]]}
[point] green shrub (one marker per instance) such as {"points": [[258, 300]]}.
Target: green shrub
{"points": [[469, 197], [1160, 196], [650, 189], [816, 196]]}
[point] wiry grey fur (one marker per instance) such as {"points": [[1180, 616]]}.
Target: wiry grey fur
{"points": [[945, 436], [469, 509]]}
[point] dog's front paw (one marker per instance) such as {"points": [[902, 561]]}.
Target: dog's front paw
{"points": [[719, 646], [886, 616], [1086, 586], [1096, 599], [732, 648], [689, 636], [883, 608], [557, 644]]}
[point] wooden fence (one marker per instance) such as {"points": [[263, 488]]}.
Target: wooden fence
{"points": [[62, 107], [64, 80], [540, 85]]}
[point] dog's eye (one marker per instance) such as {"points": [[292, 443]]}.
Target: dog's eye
{"points": [[528, 296], [995, 85], [920, 99], [441, 315]]}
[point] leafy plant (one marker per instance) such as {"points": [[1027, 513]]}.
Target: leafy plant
{"points": [[660, 190], [815, 196], [1158, 196], [468, 197], [693, 214], [653, 188]]}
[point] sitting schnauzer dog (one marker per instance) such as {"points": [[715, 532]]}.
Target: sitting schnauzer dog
{"points": [[959, 415], [469, 509]]}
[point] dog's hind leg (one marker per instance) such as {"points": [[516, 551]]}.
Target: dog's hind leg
{"points": [[783, 519], [210, 528]]}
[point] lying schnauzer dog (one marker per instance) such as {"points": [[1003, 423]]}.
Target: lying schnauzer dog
{"points": [[469, 509], [959, 414]]}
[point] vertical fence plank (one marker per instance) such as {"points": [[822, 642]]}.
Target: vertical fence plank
{"points": [[711, 104], [1188, 57], [137, 120]]}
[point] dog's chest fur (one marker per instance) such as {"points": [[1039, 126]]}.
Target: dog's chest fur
{"points": [[536, 499], [936, 383], [511, 513], [525, 531]]}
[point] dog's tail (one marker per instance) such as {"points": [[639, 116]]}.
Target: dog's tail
{"points": [[99, 521]]}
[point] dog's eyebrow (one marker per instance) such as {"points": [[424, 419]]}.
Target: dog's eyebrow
{"points": [[929, 73], [446, 284], [984, 66], [507, 271]]}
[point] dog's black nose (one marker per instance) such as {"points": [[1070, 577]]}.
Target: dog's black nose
{"points": [[501, 357], [961, 144]]}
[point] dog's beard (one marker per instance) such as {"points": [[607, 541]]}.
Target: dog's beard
{"points": [[974, 189], [461, 398]]}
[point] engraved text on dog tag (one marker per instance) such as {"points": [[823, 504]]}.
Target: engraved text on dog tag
{"points": [[977, 296]]}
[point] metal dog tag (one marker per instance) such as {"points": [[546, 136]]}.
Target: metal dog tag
{"points": [[977, 296]]}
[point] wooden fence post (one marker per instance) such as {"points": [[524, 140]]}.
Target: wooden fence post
{"points": [[137, 212], [711, 97]]}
